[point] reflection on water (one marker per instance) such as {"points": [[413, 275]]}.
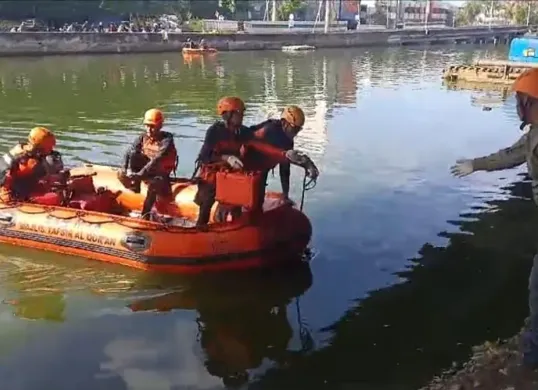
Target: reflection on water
{"points": [[222, 327], [102, 98], [383, 130], [486, 96]]}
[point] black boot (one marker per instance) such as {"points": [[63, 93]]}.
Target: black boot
{"points": [[203, 215], [151, 197]]}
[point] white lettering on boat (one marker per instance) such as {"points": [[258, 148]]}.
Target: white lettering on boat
{"points": [[71, 230]]}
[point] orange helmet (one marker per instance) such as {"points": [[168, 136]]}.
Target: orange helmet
{"points": [[230, 103], [154, 117], [527, 83], [42, 138], [294, 115]]}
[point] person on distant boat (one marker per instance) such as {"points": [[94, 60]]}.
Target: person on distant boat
{"points": [[152, 158], [524, 150], [280, 133], [202, 44], [188, 44], [28, 170], [228, 143]]}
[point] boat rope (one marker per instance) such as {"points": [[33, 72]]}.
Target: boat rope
{"points": [[139, 224], [308, 184], [196, 169], [307, 342]]}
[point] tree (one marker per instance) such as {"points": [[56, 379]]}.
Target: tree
{"points": [[289, 7], [228, 5], [517, 12], [78, 10], [467, 15]]}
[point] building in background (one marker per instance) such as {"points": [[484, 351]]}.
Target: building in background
{"points": [[348, 10], [416, 12]]}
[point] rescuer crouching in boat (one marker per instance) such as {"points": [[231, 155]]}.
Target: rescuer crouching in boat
{"points": [[151, 158], [524, 150], [28, 170], [226, 143], [280, 133]]}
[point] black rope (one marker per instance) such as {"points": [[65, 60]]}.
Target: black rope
{"points": [[307, 343], [307, 186], [303, 191], [196, 169]]}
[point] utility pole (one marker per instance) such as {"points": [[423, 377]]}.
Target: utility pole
{"points": [[327, 15], [388, 13], [273, 12], [529, 14], [427, 11], [266, 12], [490, 13]]}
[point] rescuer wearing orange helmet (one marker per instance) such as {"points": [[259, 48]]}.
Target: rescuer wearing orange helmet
{"points": [[229, 142], [151, 158], [222, 146], [25, 168], [280, 133], [522, 151]]}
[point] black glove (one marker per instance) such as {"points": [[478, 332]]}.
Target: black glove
{"points": [[297, 158], [302, 160], [312, 171]]}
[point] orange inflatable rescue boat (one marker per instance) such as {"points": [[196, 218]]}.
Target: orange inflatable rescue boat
{"points": [[198, 51], [95, 222]]}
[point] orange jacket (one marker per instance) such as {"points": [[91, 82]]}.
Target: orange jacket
{"points": [[21, 170], [220, 141]]}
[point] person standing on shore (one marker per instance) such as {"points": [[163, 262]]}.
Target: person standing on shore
{"points": [[524, 150]]}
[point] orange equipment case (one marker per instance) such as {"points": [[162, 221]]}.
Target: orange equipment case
{"points": [[239, 188]]}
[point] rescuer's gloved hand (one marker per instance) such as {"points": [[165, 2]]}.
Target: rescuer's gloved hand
{"points": [[462, 168], [233, 161]]}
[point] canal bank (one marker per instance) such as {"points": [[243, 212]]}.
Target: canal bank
{"points": [[492, 366], [47, 43]]}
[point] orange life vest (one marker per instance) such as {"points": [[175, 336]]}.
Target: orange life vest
{"points": [[168, 163], [25, 166], [225, 142]]}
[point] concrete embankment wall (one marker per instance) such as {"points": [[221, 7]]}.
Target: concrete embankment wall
{"points": [[43, 43]]}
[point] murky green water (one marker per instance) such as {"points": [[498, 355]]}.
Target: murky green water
{"points": [[411, 267]]}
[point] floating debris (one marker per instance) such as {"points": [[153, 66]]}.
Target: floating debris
{"points": [[298, 48]]}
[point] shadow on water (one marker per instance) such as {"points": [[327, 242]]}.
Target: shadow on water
{"points": [[451, 297]]}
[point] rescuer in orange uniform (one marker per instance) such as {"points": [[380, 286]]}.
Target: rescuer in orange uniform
{"points": [[222, 146], [280, 133], [229, 142], [152, 158], [27, 169]]}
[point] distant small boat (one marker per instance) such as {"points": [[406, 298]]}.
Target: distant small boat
{"points": [[198, 51], [298, 48]]}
